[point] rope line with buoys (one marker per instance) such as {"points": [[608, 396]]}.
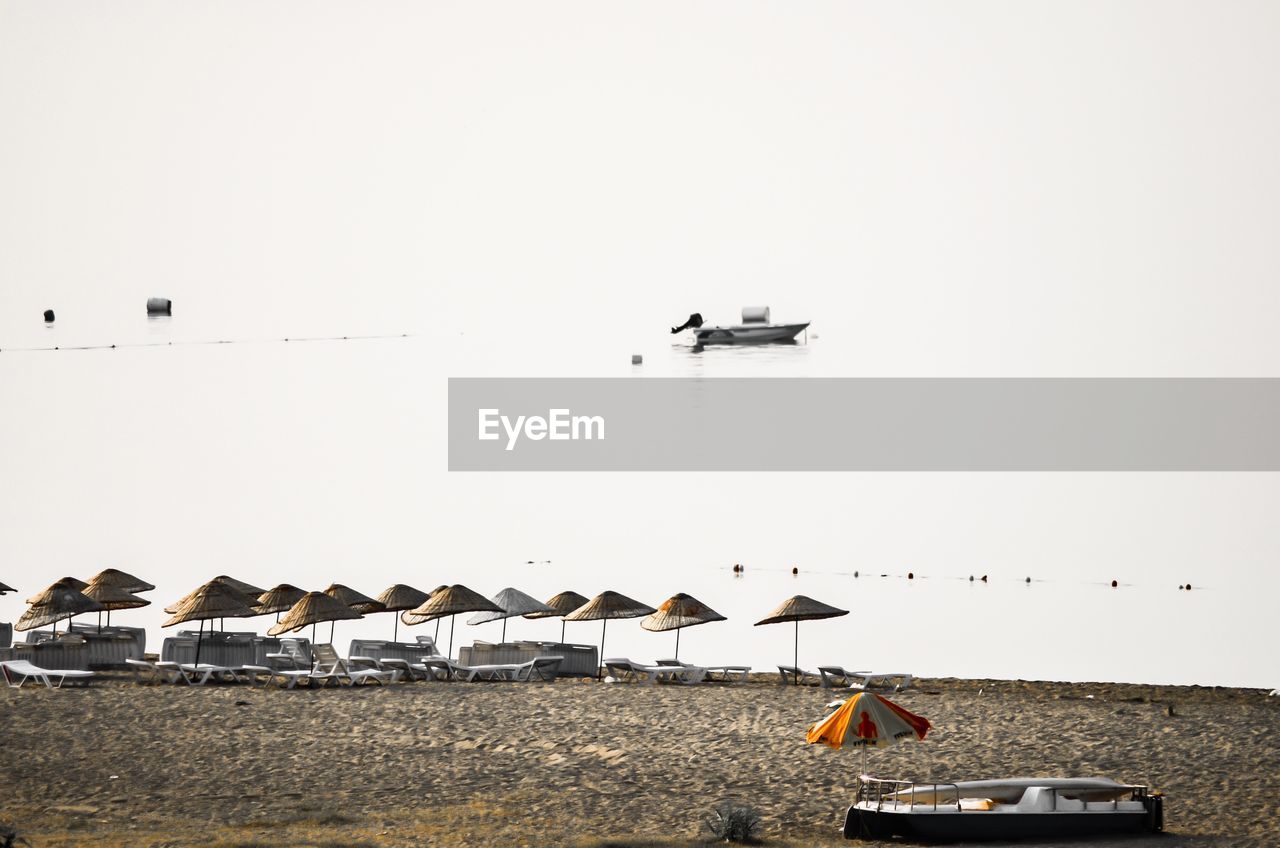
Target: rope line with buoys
{"points": [[739, 570], [205, 342]]}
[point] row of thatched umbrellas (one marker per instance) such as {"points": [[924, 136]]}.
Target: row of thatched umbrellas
{"points": [[226, 597]]}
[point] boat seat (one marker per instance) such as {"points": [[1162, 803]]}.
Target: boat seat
{"points": [[1069, 805], [1100, 805]]}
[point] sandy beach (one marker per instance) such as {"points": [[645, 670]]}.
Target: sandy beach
{"points": [[584, 763]]}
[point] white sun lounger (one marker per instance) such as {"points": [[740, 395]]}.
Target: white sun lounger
{"points": [[791, 674], [330, 666], [542, 668], [156, 672], [717, 673], [18, 672], [625, 669], [867, 679]]}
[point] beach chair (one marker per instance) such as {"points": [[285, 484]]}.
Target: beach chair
{"points": [[717, 673], [791, 674], [867, 679], [836, 677], [623, 669], [163, 671], [199, 675], [18, 672], [291, 656], [330, 666], [407, 670], [542, 668], [443, 668], [428, 644]]}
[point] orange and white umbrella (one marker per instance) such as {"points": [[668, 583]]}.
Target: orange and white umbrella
{"points": [[869, 721]]}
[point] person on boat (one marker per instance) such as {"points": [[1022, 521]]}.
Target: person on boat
{"points": [[695, 321]]}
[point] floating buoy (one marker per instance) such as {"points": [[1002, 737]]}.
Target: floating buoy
{"points": [[970, 578], [1028, 581], [855, 574], [984, 578], [911, 575], [795, 570], [159, 306], [48, 316], [637, 359], [1188, 587], [1114, 584]]}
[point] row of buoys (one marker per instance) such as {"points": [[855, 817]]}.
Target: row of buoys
{"points": [[155, 306], [738, 568]]}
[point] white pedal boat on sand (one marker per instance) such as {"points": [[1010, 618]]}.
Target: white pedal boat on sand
{"points": [[754, 329], [1017, 808]]}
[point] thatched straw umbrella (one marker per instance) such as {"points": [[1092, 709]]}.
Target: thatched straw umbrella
{"points": [[313, 608], [73, 583], [398, 598], [410, 618], [560, 605], [800, 608], [6, 589], [250, 598], [358, 601], [605, 606], [55, 603], [279, 599], [678, 612], [210, 601], [112, 598], [452, 600], [117, 579], [513, 602]]}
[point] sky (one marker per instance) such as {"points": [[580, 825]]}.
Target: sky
{"points": [[977, 189]]}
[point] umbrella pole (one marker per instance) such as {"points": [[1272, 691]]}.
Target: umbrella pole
{"points": [[332, 625], [562, 623], [99, 621], [395, 631], [796, 659], [504, 631], [199, 639], [313, 646], [677, 644], [451, 619], [604, 625]]}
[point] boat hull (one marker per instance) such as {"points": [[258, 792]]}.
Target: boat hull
{"points": [[863, 822], [748, 334]]}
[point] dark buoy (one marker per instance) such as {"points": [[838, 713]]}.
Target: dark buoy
{"points": [[795, 570], [1188, 587], [1114, 584], [970, 578], [855, 574], [48, 316], [159, 306], [1028, 581], [911, 575], [984, 578]]}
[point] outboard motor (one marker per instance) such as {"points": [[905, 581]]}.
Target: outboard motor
{"points": [[694, 322], [1155, 813]]}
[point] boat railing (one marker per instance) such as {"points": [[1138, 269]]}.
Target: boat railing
{"points": [[884, 792]]}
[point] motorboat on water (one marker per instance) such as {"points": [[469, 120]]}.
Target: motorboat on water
{"points": [[1016, 808], [755, 328]]}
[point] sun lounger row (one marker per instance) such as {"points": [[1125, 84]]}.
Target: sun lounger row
{"points": [[291, 669]]}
